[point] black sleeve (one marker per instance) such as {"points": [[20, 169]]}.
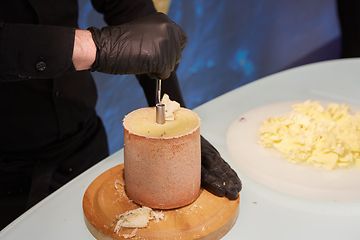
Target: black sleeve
{"points": [[35, 51], [349, 19], [117, 12]]}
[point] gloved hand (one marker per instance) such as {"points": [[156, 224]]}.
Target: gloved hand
{"points": [[150, 45], [216, 175]]}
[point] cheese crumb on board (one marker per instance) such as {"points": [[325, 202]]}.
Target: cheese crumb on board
{"points": [[157, 216], [137, 218], [170, 107], [131, 235], [327, 138], [118, 182]]}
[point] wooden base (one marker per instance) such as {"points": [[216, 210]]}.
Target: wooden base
{"points": [[208, 217]]}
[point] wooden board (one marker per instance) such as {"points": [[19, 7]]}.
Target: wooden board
{"points": [[209, 217]]}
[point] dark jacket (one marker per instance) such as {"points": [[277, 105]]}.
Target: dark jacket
{"points": [[49, 128]]}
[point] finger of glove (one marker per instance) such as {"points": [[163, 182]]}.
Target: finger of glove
{"points": [[233, 187], [170, 52], [153, 75], [178, 39], [211, 183], [178, 54], [161, 67], [164, 69], [214, 163], [174, 52], [232, 194], [223, 171], [227, 183], [232, 176], [181, 33], [207, 147], [183, 38]]}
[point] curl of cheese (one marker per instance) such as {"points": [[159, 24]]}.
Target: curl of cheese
{"points": [[328, 138], [170, 107]]}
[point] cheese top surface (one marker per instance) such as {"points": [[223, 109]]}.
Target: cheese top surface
{"points": [[143, 122], [328, 138]]}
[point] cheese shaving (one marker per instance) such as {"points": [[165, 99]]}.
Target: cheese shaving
{"points": [[131, 235], [137, 218], [118, 182], [170, 107], [326, 138], [157, 216]]}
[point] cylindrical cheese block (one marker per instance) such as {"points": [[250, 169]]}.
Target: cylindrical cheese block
{"points": [[162, 162]]}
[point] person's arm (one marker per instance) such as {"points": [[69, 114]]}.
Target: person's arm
{"points": [[151, 45], [84, 53], [35, 51]]}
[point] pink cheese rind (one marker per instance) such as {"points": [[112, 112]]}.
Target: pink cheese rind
{"points": [[162, 173]]}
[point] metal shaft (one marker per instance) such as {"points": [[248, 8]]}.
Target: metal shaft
{"points": [[160, 107], [160, 113], [158, 91]]}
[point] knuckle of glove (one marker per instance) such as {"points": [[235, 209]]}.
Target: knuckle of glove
{"points": [[165, 74]]}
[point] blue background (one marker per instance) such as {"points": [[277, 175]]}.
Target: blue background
{"points": [[231, 43]]}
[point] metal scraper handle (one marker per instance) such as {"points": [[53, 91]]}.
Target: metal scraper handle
{"points": [[160, 107], [158, 91]]}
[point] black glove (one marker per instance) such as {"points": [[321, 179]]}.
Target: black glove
{"points": [[216, 175], [150, 45]]}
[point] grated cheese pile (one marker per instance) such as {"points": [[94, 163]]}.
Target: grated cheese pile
{"points": [[327, 138]]}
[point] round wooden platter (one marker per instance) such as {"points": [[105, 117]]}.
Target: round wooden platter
{"points": [[209, 217]]}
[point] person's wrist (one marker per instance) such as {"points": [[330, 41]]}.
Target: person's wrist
{"points": [[84, 52]]}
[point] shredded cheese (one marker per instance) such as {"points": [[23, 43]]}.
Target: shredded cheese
{"points": [[327, 138]]}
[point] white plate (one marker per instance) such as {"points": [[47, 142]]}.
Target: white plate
{"points": [[269, 167]]}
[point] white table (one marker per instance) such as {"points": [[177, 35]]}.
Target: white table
{"points": [[264, 213]]}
